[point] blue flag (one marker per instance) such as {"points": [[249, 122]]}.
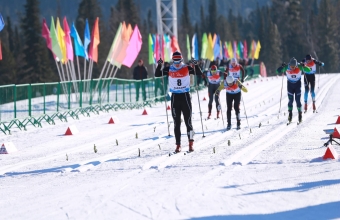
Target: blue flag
{"points": [[194, 45], [2, 23], [217, 47], [78, 45], [87, 38]]}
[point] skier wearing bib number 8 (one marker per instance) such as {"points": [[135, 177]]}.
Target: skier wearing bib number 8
{"points": [[293, 72], [214, 80], [179, 84]]}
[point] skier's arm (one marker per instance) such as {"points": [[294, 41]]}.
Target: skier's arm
{"points": [[304, 68], [218, 90], [318, 62], [196, 71], [159, 72], [282, 68]]}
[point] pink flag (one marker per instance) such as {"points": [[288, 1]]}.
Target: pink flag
{"points": [[245, 50], [134, 47], [68, 42], [46, 34]]}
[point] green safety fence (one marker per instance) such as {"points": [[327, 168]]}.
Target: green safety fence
{"points": [[30, 104]]}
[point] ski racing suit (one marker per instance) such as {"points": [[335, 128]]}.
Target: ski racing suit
{"points": [[214, 81]]}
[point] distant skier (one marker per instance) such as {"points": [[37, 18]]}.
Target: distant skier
{"points": [[236, 70], [293, 72], [233, 89], [179, 84], [213, 80], [310, 79]]}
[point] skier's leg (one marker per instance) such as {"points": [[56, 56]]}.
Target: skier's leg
{"points": [[306, 84], [176, 115], [312, 86], [229, 106], [237, 101], [290, 100], [298, 95], [187, 113], [211, 98]]}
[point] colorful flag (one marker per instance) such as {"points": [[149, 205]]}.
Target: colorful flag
{"points": [[240, 48], [2, 23], [95, 40], [126, 35], [150, 43], [236, 55], [0, 50], [55, 44], [167, 48], [257, 51], [61, 34], [188, 48], [225, 50], [174, 45], [245, 50], [230, 50], [68, 42], [157, 48], [194, 43], [217, 46], [87, 38], [78, 45], [115, 41], [118, 47], [204, 46], [134, 47], [210, 50], [45, 32]]}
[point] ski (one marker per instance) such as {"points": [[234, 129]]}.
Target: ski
{"points": [[188, 152], [238, 128], [173, 153], [299, 122]]}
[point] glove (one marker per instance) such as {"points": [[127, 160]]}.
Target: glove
{"points": [[217, 92], [160, 61], [283, 64], [242, 80], [194, 61], [302, 64]]}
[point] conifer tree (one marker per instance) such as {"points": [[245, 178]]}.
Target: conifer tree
{"points": [[36, 66], [7, 67]]}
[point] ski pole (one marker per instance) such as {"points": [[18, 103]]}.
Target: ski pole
{"points": [[198, 97], [245, 112], [281, 94], [319, 78], [164, 96], [220, 106]]}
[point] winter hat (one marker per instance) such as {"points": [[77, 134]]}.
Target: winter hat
{"points": [[213, 68], [230, 79], [233, 60], [293, 62], [177, 56], [308, 57]]}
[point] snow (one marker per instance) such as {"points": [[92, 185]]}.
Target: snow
{"points": [[273, 172]]}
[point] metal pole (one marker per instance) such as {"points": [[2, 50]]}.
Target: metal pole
{"points": [[198, 96]]}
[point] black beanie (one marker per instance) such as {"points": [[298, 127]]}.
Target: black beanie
{"points": [[177, 56], [308, 57]]}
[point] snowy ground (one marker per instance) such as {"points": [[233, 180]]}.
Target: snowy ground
{"points": [[274, 172]]}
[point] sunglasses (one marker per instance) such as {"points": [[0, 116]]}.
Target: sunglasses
{"points": [[177, 62]]}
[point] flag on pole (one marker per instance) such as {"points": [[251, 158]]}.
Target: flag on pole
{"points": [[217, 46], [126, 35], [117, 44], [95, 40], [45, 32], [230, 50], [114, 43], [195, 47], [236, 55], [210, 50], [0, 50], [167, 48], [150, 43], [2, 22], [134, 47], [87, 38], [245, 50], [78, 45], [204, 46], [55, 44], [240, 46], [68, 42], [174, 45], [188, 48], [61, 34], [257, 51]]}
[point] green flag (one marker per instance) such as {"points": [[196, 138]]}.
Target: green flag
{"points": [[114, 44], [150, 43], [204, 46], [55, 44], [188, 48]]}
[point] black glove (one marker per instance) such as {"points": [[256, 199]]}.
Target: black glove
{"points": [[217, 92], [194, 61], [160, 61], [302, 64], [242, 80], [283, 64]]}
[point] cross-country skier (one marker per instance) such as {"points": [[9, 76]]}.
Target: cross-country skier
{"points": [[233, 89], [179, 84], [236, 70], [293, 72], [213, 80], [310, 78]]}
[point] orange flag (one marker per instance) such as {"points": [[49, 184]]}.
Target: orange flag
{"points": [[126, 35], [93, 52]]}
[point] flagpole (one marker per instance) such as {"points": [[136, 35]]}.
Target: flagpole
{"points": [[78, 68]]}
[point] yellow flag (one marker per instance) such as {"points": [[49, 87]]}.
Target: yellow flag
{"points": [[230, 50], [61, 40], [257, 51], [210, 49]]}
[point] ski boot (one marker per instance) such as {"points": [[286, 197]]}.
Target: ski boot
{"points": [[191, 145], [238, 125], [290, 116], [218, 114], [228, 126], [314, 107], [300, 117], [209, 111], [306, 106], [178, 148]]}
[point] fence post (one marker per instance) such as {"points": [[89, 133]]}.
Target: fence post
{"points": [[44, 92], [69, 95], [91, 82], [15, 100], [58, 95], [100, 92], [81, 94], [29, 100], [108, 92]]}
